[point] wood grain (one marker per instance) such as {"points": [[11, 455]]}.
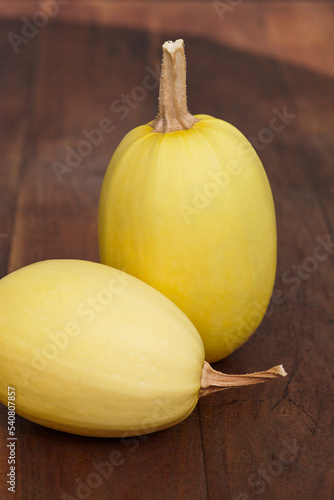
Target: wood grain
{"points": [[290, 30], [269, 441]]}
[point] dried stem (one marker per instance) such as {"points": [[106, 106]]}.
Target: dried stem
{"points": [[173, 112], [213, 381]]}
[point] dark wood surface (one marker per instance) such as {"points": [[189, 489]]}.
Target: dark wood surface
{"points": [[272, 441]]}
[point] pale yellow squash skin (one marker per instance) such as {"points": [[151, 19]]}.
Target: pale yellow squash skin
{"points": [[191, 213], [92, 351]]}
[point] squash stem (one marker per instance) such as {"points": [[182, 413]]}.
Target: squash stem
{"points": [[212, 381], [173, 112]]}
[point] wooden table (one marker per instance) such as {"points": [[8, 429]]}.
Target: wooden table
{"points": [[246, 64]]}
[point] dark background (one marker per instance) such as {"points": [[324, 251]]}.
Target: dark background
{"points": [[246, 61]]}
